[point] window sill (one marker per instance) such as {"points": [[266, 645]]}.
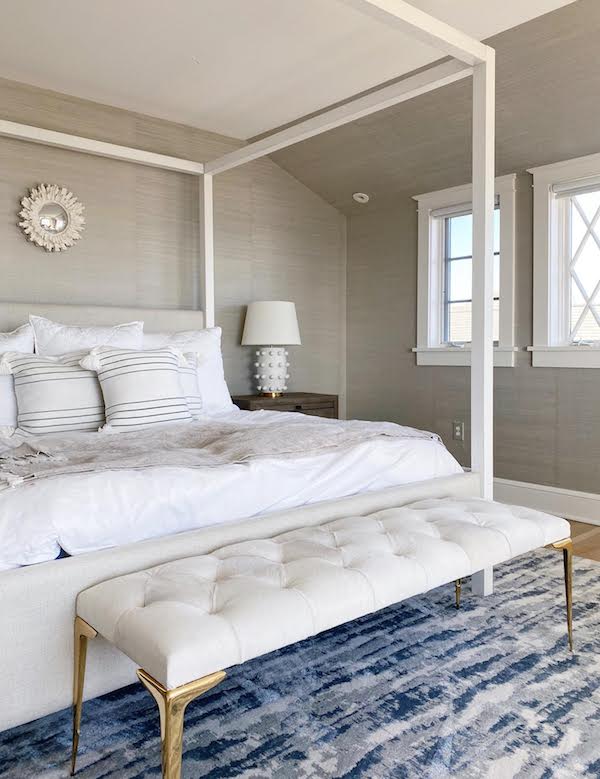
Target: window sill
{"points": [[565, 356], [504, 356]]}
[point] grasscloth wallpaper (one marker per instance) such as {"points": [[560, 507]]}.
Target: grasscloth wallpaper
{"points": [[274, 238], [547, 420]]}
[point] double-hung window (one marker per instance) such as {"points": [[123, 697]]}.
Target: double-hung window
{"points": [[445, 268], [457, 261], [566, 328]]}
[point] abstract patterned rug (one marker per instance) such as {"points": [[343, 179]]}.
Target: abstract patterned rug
{"points": [[417, 691]]}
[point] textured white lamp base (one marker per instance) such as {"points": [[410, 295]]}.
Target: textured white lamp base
{"points": [[271, 370]]}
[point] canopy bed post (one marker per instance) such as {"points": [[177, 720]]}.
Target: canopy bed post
{"points": [[207, 252], [482, 355]]}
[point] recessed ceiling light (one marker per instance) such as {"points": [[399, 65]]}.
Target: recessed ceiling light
{"points": [[361, 197]]}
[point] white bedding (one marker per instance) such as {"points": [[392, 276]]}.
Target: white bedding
{"points": [[86, 512]]}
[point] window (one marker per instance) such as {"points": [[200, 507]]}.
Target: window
{"points": [[582, 262], [566, 331], [445, 275], [458, 268]]}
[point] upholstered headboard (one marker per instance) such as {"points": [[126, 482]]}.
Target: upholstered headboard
{"points": [[155, 319]]}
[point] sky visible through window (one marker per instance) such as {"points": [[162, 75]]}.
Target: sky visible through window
{"points": [[584, 266], [458, 264]]}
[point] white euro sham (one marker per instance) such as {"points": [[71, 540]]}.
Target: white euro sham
{"points": [[54, 338], [19, 340], [206, 344]]}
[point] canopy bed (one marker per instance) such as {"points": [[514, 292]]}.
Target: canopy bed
{"points": [[37, 602]]}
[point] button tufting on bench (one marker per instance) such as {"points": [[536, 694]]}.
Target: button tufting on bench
{"points": [[188, 618]]}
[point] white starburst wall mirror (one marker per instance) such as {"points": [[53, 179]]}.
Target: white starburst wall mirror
{"points": [[52, 217]]}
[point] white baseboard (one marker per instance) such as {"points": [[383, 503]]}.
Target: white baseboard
{"points": [[570, 504]]}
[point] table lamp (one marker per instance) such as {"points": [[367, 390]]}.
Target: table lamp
{"points": [[272, 325]]}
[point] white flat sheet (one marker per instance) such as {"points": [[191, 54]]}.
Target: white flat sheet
{"points": [[86, 512]]}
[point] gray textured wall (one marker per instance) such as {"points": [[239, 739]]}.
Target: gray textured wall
{"points": [[274, 238], [548, 80], [547, 421]]}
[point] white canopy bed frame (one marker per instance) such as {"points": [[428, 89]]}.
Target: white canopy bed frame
{"points": [[36, 643]]}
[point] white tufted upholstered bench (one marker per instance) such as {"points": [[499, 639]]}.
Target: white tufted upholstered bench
{"points": [[183, 622]]}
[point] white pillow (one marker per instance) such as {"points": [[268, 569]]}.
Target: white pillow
{"points": [[188, 376], [53, 338], [140, 388], [19, 340], [206, 344], [54, 394]]}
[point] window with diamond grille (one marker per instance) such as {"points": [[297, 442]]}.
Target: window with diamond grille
{"points": [[583, 257]]}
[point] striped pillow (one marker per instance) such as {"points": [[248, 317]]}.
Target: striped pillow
{"points": [[188, 374], [140, 388], [54, 394]]}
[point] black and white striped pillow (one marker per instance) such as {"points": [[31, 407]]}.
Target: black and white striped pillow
{"points": [[54, 394], [141, 388]]}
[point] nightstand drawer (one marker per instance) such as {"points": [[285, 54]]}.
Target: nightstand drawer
{"points": [[315, 410], [313, 403]]}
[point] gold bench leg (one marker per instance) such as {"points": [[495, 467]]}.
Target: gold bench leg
{"points": [[457, 591], [171, 707], [567, 549], [83, 632]]}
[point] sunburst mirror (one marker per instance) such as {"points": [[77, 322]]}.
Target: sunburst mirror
{"points": [[52, 217]]}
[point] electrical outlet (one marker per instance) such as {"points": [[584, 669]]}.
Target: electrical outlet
{"points": [[458, 430]]}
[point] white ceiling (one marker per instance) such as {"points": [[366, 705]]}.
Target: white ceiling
{"points": [[236, 67]]}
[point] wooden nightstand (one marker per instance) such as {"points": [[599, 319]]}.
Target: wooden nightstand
{"points": [[312, 403]]}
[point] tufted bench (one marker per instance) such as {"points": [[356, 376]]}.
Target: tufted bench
{"points": [[185, 621]]}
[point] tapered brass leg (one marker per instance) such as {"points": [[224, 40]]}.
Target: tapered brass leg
{"points": [[567, 550], [171, 707], [83, 632], [457, 591]]}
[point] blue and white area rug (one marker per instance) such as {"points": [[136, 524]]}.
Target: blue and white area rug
{"points": [[417, 691]]}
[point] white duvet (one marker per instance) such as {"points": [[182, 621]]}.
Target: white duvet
{"points": [[90, 511]]}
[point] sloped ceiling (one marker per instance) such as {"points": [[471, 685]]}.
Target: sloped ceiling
{"points": [[548, 74]]}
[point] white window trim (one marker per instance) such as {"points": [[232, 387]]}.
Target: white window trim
{"points": [[429, 349], [550, 348]]}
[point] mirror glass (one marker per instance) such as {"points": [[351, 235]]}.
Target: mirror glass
{"points": [[53, 218]]}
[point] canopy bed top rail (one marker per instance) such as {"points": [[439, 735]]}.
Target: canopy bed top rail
{"points": [[26, 132], [412, 86]]}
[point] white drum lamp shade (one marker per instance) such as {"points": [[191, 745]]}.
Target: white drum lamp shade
{"points": [[271, 324]]}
